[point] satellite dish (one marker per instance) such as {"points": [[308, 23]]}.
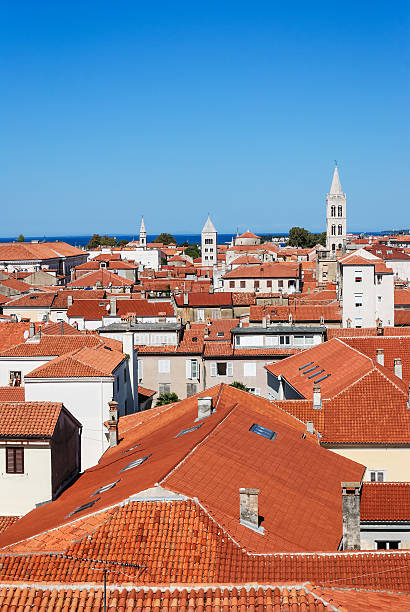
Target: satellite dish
{"points": [[25, 334]]}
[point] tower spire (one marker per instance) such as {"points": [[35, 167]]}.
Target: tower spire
{"points": [[336, 187]]}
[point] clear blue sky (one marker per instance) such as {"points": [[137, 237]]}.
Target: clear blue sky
{"points": [[111, 110]]}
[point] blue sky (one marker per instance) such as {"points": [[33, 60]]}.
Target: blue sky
{"points": [[171, 110]]}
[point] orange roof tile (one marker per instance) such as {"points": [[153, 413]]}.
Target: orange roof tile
{"points": [[357, 332], [385, 501], [12, 394], [82, 363], [5, 523], [265, 270], [54, 346], [35, 300], [28, 419], [103, 276], [300, 313]]}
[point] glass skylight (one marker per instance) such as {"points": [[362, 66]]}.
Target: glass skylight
{"points": [[83, 507], [135, 463], [185, 431], [306, 365], [106, 487], [263, 431]]}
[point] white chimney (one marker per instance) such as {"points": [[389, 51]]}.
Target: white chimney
{"points": [[380, 356], [264, 322], [186, 299], [204, 407], [310, 427], [69, 301], [113, 306], [398, 368], [281, 392], [249, 508], [32, 329], [317, 397]]}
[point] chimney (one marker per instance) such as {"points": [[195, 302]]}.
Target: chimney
{"points": [[143, 294], [188, 325], [264, 322], [62, 327], [281, 392], [186, 300], [290, 318], [113, 424], [248, 509], [317, 397], [380, 356], [206, 332], [380, 330], [69, 301], [310, 427], [398, 369], [204, 407], [268, 319], [113, 306], [32, 330], [351, 515]]}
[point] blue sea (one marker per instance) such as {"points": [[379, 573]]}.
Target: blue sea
{"points": [[81, 241]]}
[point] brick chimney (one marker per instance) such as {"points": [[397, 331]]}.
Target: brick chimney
{"points": [[317, 397], [249, 509], [204, 407], [351, 515], [398, 368], [380, 356], [113, 424]]}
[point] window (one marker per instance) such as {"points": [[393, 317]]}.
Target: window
{"points": [[185, 431], [340, 211], [60, 316], [379, 298], [208, 240], [333, 211], [191, 389], [271, 340], [388, 544], [15, 460], [200, 314], [83, 507], [106, 487], [216, 313], [117, 378], [339, 230], [249, 369], [358, 276], [164, 388], [221, 368], [15, 378], [135, 463], [254, 390], [231, 284], [284, 340], [192, 369], [263, 431], [269, 283], [163, 366], [358, 322], [126, 406], [333, 230], [379, 279], [358, 299], [242, 284], [256, 284], [377, 475], [280, 283]]}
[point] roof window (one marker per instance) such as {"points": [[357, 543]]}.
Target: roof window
{"points": [[185, 431], [83, 507], [127, 450], [321, 378], [306, 365], [106, 487], [315, 374], [263, 431], [220, 334], [135, 463], [310, 370]]}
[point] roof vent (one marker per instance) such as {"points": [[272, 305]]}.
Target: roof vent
{"points": [[249, 509], [204, 407]]}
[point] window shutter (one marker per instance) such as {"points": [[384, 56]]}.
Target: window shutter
{"points": [[10, 460], [188, 368], [213, 369], [229, 369]]}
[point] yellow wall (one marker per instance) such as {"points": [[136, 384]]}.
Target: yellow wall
{"points": [[396, 461]]}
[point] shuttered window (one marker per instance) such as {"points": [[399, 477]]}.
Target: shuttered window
{"points": [[15, 460]]}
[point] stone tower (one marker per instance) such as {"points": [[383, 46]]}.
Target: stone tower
{"points": [[335, 215], [143, 234], [209, 249]]}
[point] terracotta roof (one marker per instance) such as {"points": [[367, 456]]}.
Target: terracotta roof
{"points": [[61, 299], [13, 283], [243, 299], [394, 347], [146, 392], [105, 277], [265, 270], [387, 252], [218, 349], [357, 260], [28, 419], [90, 310], [20, 251], [12, 334], [402, 316], [82, 363], [357, 600], [35, 300], [4, 298], [223, 298], [248, 235], [245, 260], [341, 364], [5, 523], [220, 329], [54, 346], [114, 263], [145, 308], [385, 501], [401, 297], [311, 312], [357, 332], [192, 341], [297, 516], [12, 394]]}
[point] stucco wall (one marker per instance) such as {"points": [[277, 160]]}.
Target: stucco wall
{"points": [[396, 461]]}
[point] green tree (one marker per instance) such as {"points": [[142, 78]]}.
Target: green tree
{"points": [[165, 238], [301, 237], [20, 238], [122, 243], [239, 385], [167, 398], [193, 251]]}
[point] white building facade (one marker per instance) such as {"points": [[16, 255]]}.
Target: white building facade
{"points": [[335, 215], [209, 247]]}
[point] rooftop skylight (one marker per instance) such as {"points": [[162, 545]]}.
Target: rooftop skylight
{"points": [[135, 463], [83, 507], [185, 431], [322, 378], [106, 487], [306, 365], [263, 431], [315, 373]]}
